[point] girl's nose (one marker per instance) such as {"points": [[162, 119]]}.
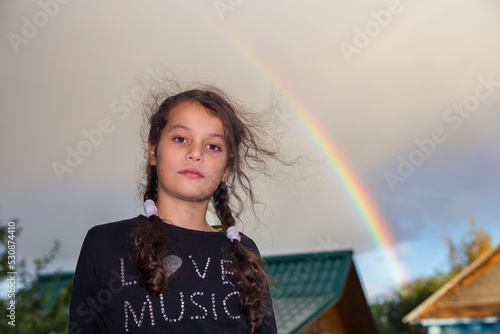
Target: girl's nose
{"points": [[194, 154]]}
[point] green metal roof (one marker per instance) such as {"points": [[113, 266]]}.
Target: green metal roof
{"points": [[306, 285], [53, 283]]}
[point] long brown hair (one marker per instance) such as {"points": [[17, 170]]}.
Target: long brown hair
{"points": [[149, 246]]}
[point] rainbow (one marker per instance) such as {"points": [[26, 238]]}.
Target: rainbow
{"points": [[359, 196]]}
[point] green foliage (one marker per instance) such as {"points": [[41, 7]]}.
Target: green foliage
{"points": [[471, 246], [390, 310], [36, 310]]}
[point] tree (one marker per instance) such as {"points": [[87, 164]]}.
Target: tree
{"points": [[389, 310], [470, 247], [33, 309]]}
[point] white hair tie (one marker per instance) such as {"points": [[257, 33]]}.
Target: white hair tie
{"points": [[232, 233], [150, 208]]}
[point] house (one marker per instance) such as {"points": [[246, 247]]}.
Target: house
{"points": [[469, 303], [319, 293]]}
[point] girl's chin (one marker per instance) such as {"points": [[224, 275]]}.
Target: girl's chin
{"points": [[190, 197]]}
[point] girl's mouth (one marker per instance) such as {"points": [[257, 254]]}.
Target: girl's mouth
{"points": [[191, 172]]}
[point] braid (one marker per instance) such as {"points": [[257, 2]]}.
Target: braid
{"points": [[151, 191], [246, 265], [149, 246], [221, 205]]}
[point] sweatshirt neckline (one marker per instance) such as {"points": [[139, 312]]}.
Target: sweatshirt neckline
{"points": [[190, 231]]}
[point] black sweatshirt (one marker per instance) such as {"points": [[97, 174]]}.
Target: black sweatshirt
{"points": [[200, 296]]}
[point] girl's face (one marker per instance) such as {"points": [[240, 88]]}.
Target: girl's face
{"points": [[191, 156]]}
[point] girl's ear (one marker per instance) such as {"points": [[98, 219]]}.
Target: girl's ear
{"points": [[151, 154], [225, 175]]}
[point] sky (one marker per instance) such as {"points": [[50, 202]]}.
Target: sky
{"points": [[393, 107]]}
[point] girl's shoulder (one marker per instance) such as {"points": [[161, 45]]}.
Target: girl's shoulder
{"points": [[114, 231], [245, 240], [249, 243]]}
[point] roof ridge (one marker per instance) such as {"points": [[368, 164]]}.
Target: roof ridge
{"points": [[451, 283]]}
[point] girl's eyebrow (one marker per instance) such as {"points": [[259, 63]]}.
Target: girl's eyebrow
{"points": [[179, 126], [183, 127]]}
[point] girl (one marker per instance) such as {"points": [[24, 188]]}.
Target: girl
{"points": [[170, 271]]}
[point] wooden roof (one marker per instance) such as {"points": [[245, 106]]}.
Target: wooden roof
{"points": [[473, 293]]}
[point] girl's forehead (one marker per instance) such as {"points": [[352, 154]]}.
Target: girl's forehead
{"points": [[193, 116]]}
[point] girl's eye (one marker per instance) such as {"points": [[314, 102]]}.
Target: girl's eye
{"points": [[179, 140], [213, 147]]}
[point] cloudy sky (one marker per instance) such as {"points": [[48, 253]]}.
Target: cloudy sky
{"points": [[405, 93]]}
